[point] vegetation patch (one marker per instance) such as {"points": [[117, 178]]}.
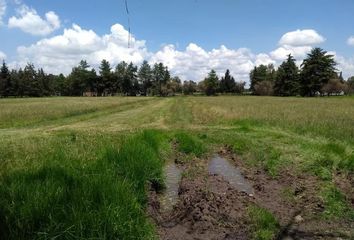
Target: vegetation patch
{"points": [[263, 224], [190, 144], [101, 200]]}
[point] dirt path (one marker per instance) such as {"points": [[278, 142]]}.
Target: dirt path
{"points": [[209, 207]]}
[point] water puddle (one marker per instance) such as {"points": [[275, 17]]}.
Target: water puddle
{"points": [[221, 166], [172, 178]]}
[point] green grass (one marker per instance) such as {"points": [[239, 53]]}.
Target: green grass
{"points": [[79, 168], [263, 224], [102, 199], [336, 205], [190, 144]]}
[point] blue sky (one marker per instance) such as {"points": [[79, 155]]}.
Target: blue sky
{"points": [[251, 32]]}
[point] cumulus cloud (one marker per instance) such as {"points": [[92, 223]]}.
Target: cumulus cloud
{"points": [[194, 62], [2, 56], [350, 41], [2, 10], [60, 53], [29, 21], [306, 37], [297, 43], [299, 52], [345, 65]]}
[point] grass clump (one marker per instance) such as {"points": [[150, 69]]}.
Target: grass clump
{"points": [[138, 162], [336, 205], [263, 224], [189, 144]]}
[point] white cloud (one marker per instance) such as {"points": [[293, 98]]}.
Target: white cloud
{"points": [[297, 43], [264, 59], [29, 21], [299, 52], [2, 10], [194, 62], [2, 56], [345, 65], [350, 41], [60, 53], [306, 37]]}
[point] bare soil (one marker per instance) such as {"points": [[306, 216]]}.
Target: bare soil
{"points": [[210, 208]]}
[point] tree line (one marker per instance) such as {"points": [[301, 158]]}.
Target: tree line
{"points": [[317, 75], [125, 79]]}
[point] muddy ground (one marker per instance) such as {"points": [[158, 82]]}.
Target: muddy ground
{"points": [[210, 208]]}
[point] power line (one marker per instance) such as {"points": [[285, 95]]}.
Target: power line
{"points": [[128, 15]]}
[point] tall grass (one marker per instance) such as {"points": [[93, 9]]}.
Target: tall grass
{"points": [[104, 199]]}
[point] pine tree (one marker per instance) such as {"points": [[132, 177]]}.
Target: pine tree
{"points": [[145, 78], [287, 79], [105, 84], [31, 81], [6, 88], [227, 83], [211, 83], [317, 69]]}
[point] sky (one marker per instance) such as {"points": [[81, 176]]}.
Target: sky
{"points": [[191, 37]]}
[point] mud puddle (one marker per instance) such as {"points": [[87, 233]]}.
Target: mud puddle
{"points": [[221, 166], [170, 196]]}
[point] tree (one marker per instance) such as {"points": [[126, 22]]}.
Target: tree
{"points": [[287, 78], [334, 86], [175, 85], [189, 87], [161, 76], [317, 69], [105, 84], [239, 87], [145, 78], [131, 80], [31, 81], [264, 88], [81, 79], [227, 83], [262, 73], [211, 83], [6, 88], [350, 83]]}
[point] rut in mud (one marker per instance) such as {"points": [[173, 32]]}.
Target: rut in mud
{"points": [[214, 197]]}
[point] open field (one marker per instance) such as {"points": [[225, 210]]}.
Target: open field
{"points": [[89, 168]]}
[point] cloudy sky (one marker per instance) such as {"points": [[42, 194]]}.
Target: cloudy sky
{"points": [[190, 36]]}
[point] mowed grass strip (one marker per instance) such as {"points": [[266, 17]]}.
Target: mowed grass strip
{"points": [[32, 111], [61, 198]]}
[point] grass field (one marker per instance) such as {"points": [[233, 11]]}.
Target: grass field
{"points": [[77, 168]]}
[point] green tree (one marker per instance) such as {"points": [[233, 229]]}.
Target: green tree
{"points": [[211, 83], [350, 83], [189, 87], [33, 87], [260, 74], [161, 76], [287, 78], [105, 84], [145, 77], [227, 83], [317, 69], [119, 74], [6, 86], [82, 79], [132, 87]]}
